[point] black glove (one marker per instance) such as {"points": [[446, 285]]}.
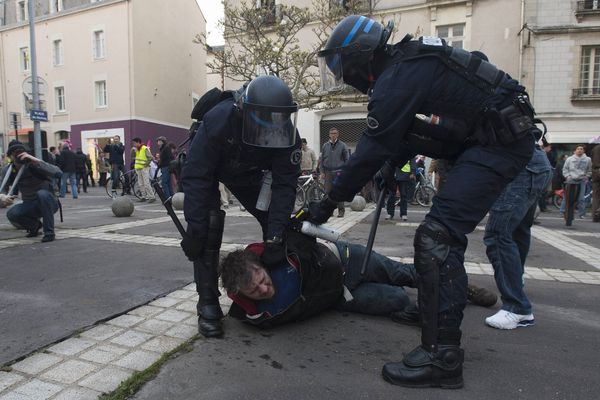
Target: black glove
{"points": [[274, 253], [385, 177], [319, 212], [193, 246]]}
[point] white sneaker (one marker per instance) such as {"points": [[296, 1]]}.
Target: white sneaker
{"points": [[404, 218], [507, 320]]}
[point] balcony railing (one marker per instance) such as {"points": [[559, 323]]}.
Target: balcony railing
{"points": [[586, 93], [587, 7]]}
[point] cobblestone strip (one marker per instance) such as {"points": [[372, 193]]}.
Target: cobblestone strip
{"points": [[99, 359]]}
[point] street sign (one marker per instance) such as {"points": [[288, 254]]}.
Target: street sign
{"points": [[38, 115]]}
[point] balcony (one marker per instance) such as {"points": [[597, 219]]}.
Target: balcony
{"points": [[587, 8], [586, 93]]}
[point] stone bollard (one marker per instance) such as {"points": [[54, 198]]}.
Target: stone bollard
{"points": [[358, 203], [122, 206], [177, 201]]}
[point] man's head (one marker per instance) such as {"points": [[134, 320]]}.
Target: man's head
{"points": [[15, 148], [243, 273], [304, 144], [137, 142], [52, 149], [161, 140], [579, 150], [334, 134], [117, 139]]}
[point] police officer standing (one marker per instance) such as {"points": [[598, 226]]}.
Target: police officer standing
{"points": [[429, 98], [248, 141]]}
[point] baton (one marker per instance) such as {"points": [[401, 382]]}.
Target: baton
{"points": [[373, 229], [16, 181], [6, 178], [166, 202]]}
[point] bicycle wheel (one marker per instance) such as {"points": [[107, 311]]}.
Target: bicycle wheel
{"points": [[315, 192], [424, 196], [300, 200], [108, 187]]}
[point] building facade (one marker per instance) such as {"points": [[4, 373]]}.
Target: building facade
{"points": [[550, 45], [106, 67]]}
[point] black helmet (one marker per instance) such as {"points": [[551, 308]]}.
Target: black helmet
{"points": [[269, 113], [15, 148], [348, 52]]}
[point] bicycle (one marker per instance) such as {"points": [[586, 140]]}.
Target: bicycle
{"points": [[424, 190], [308, 189], [133, 187], [559, 194]]}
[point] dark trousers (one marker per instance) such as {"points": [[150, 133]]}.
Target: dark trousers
{"points": [[403, 187], [329, 178], [115, 177], [27, 214], [472, 186], [165, 181], [82, 180], [102, 181]]}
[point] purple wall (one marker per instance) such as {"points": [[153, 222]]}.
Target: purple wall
{"points": [[133, 128]]}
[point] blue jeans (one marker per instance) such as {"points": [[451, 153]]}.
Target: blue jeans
{"points": [[580, 200], [165, 181], [72, 178], [27, 214], [508, 236], [379, 291]]}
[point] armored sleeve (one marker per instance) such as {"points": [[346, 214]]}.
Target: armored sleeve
{"points": [[397, 96], [285, 170], [199, 179]]}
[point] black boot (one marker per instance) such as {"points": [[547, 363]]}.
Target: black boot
{"points": [[421, 368], [210, 322], [408, 316]]}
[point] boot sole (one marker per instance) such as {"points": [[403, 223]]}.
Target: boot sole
{"points": [[448, 384]]}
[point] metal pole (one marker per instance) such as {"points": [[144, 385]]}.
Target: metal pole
{"points": [[37, 134]]}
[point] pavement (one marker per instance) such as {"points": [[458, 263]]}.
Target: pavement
{"points": [[111, 295]]}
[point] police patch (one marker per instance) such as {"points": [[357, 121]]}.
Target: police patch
{"points": [[296, 156], [372, 123]]}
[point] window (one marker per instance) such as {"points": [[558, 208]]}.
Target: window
{"points": [[268, 7], [55, 6], [453, 34], [24, 59], [59, 98], [21, 10], [364, 5], [100, 89], [98, 39], [588, 5], [57, 52], [589, 72]]}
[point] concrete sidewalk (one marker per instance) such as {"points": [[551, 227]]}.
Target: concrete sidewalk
{"points": [[119, 292]]}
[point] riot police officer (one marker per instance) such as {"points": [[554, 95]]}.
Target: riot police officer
{"points": [[246, 141], [429, 98]]}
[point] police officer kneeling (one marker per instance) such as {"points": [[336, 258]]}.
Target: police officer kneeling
{"points": [[429, 98], [247, 136], [37, 192]]}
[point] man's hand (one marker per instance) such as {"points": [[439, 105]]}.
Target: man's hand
{"points": [[274, 253], [26, 157], [193, 247], [385, 177], [6, 201], [319, 212]]}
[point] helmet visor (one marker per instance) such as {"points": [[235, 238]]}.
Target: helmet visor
{"points": [[330, 70], [268, 126]]}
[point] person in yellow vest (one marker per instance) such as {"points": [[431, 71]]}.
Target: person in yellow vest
{"points": [[143, 158], [404, 176]]}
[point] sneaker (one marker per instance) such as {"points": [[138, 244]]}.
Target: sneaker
{"points": [[404, 218], [388, 217], [33, 232], [507, 320], [48, 237], [481, 296], [341, 213]]}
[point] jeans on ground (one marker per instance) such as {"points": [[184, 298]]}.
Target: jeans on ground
{"points": [[403, 187], [165, 181], [580, 200], [507, 236], [28, 213], [380, 290], [72, 178]]}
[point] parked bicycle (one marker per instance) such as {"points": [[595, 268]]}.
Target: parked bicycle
{"points": [[559, 194], [424, 189], [309, 189]]}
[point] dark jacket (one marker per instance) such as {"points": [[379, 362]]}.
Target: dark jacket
{"points": [[68, 161], [217, 154], [35, 177], [402, 176], [81, 162], [320, 285], [115, 152], [333, 156], [166, 156]]}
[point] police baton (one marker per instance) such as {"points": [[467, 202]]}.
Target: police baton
{"points": [[373, 231], [6, 177], [166, 202], [13, 188]]}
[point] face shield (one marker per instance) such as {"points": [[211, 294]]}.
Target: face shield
{"points": [[330, 70], [269, 126]]}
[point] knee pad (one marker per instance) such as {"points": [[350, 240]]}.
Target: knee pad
{"points": [[432, 245], [216, 223]]}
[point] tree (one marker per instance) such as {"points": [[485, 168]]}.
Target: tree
{"points": [[265, 40]]}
